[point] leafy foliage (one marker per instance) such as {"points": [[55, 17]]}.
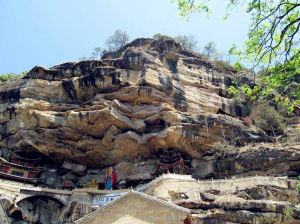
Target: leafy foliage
{"points": [[11, 76], [274, 33], [284, 81], [288, 211], [269, 120], [280, 84], [224, 65], [273, 41], [114, 42], [159, 36], [246, 93], [186, 7], [186, 41]]}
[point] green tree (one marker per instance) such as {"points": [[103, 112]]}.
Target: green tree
{"points": [[118, 40], [98, 52], [189, 42], [11, 76], [273, 44], [114, 42], [269, 120], [274, 31], [158, 36], [210, 50]]}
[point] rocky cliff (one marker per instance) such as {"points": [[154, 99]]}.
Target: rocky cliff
{"points": [[123, 110], [149, 94]]}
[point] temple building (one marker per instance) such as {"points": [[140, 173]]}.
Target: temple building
{"points": [[15, 167], [139, 208], [172, 162]]}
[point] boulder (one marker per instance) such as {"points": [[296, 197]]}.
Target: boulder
{"points": [[73, 167]]}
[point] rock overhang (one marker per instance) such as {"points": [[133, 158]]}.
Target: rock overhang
{"points": [[155, 94]]}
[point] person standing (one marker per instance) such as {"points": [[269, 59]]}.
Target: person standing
{"points": [[111, 178]]}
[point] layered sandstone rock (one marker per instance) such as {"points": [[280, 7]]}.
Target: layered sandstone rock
{"points": [[258, 199], [252, 159], [150, 94], [121, 110]]}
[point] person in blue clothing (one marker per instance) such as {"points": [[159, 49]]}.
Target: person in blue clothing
{"points": [[111, 178]]}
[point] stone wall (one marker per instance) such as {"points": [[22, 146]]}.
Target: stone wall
{"points": [[166, 184]]}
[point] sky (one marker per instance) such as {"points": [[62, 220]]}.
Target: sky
{"points": [[50, 32]]}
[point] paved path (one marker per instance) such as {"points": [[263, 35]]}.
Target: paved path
{"points": [[24, 190]]}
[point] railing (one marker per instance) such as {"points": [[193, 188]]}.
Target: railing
{"points": [[178, 177], [20, 165], [174, 177], [25, 179], [164, 177]]}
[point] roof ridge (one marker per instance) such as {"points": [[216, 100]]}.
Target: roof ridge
{"points": [[131, 192]]}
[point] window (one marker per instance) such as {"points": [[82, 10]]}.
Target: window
{"points": [[17, 173]]}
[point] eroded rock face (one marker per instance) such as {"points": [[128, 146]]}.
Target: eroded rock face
{"points": [[250, 160], [74, 211], [242, 200], [40, 210], [148, 95]]}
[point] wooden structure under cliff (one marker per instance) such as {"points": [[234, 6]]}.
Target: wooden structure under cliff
{"points": [[171, 161], [15, 167]]}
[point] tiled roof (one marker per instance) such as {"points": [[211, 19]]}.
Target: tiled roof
{"points": [[136, 193]]}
